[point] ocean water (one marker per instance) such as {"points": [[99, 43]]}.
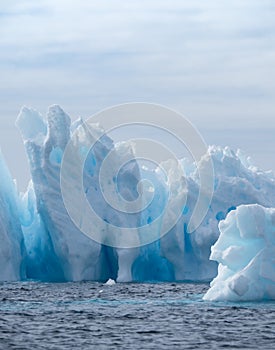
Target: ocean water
{"points": [[90, 315]]}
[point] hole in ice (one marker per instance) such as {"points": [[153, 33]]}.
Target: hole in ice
{"points": [[231, 208], [220, 216]]}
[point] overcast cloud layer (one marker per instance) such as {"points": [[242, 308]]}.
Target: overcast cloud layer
{"points": [[212, 60]]}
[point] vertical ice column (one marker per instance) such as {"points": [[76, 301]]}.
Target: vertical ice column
{"points": [[12, 248], [78, 256]]}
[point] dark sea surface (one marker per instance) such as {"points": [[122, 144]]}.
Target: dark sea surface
{"points": [[91, 315]]}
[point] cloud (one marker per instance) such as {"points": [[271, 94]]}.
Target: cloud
{"points": [[213, 61]]}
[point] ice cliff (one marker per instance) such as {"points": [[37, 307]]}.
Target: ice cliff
{"points": [[55, 249]]}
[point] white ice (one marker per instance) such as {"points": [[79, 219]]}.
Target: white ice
{"points": [[245, 251]]}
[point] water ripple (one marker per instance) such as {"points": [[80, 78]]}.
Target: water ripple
{"points": [[128, 316]]}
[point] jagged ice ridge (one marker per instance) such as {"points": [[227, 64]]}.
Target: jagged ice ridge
{"points": [[40, 241]]}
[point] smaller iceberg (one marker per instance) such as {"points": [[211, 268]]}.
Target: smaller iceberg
{"points": [[245, 251], [110, 282]]}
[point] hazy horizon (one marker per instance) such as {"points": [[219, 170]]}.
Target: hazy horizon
{"points": [[212, 61]]}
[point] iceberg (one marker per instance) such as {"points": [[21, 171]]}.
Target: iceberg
{"points": [[245, 251], [12, 248], [59, 250], [48, 244], [236, 182]]}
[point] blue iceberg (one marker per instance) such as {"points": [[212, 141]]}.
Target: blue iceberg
{"points": [[60, 251], [42, 242]]}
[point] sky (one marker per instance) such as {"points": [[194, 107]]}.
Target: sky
{"points": [[213, 61]]}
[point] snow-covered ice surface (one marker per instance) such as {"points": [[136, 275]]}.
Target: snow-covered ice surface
{"points": [[245, 251], [56, 248]]}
